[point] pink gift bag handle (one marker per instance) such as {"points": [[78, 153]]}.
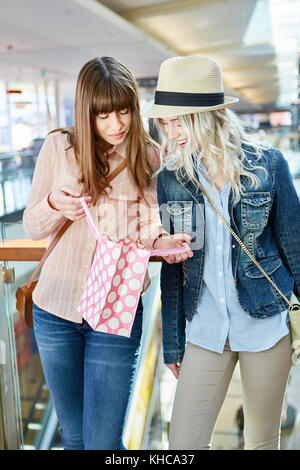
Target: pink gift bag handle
{"points": [[90, 218], [171, 251]]}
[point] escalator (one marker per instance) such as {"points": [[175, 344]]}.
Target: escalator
{"points": [[27, 417]]}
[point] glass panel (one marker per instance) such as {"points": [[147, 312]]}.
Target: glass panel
{"points": [[32, 111], [144, 388], [1, 431], [11, 438], [16, 172], [31, 406], [32, 401], [5, 137]]}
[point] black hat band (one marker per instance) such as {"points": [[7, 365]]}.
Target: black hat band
{"points": [[174, 98]]}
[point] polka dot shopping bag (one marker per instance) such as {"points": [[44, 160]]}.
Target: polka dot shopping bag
{"points": [[112, 290], [111, 294]]}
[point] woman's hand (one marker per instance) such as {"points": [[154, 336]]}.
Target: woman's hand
{"points": [[66, 201], [175, 369], [177, 240]]}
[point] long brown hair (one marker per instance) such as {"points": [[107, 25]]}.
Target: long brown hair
{"points": [[105, 85]]}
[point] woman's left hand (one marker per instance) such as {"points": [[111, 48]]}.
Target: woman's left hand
{"points": [[177, 240]]}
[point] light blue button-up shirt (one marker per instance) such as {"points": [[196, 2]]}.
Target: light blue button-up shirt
{"points": [[219, 314]]}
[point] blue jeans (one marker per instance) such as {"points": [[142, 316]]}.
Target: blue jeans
{"points": [[89, 375]]}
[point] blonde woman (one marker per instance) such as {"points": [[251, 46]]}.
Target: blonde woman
{"points": [[218, 300], [89, 372]]}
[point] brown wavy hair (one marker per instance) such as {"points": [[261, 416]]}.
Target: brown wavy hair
{"points": [[105, 85]]}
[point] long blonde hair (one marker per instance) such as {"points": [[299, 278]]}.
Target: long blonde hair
{"points": [[105, 85], [218, 138]]}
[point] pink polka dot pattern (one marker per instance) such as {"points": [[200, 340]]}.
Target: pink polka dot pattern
{"points": [[112, 290]]}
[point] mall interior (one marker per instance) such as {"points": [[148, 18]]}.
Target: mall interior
{"points": [[43, 45]]}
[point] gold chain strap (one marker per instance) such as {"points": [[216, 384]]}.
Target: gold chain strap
{"points": [[242, 245]]}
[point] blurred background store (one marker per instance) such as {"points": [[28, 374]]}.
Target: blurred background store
{"points": [[43, 45]]}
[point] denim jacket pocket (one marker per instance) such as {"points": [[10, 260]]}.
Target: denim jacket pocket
{"points": [[255, 209], [181, 215], [269, 265]]}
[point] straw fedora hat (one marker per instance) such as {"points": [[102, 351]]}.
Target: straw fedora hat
{"points": [[188, 85]]}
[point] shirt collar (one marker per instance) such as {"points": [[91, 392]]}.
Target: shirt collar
{"points": [[119, 149], [202, 171]]}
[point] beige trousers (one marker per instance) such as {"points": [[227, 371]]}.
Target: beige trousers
{"points": [[202, 386]]}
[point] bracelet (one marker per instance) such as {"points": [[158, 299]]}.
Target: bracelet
{"points": [[161, 235]]}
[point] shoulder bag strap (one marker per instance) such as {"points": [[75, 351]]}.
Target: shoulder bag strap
{"points": [[69, 222]]}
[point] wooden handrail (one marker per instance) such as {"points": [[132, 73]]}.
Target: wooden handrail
{"points": [[22, 250], [29, 250]]}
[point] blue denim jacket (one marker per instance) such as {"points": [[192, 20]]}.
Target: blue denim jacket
{"points": [[266, 219]]}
